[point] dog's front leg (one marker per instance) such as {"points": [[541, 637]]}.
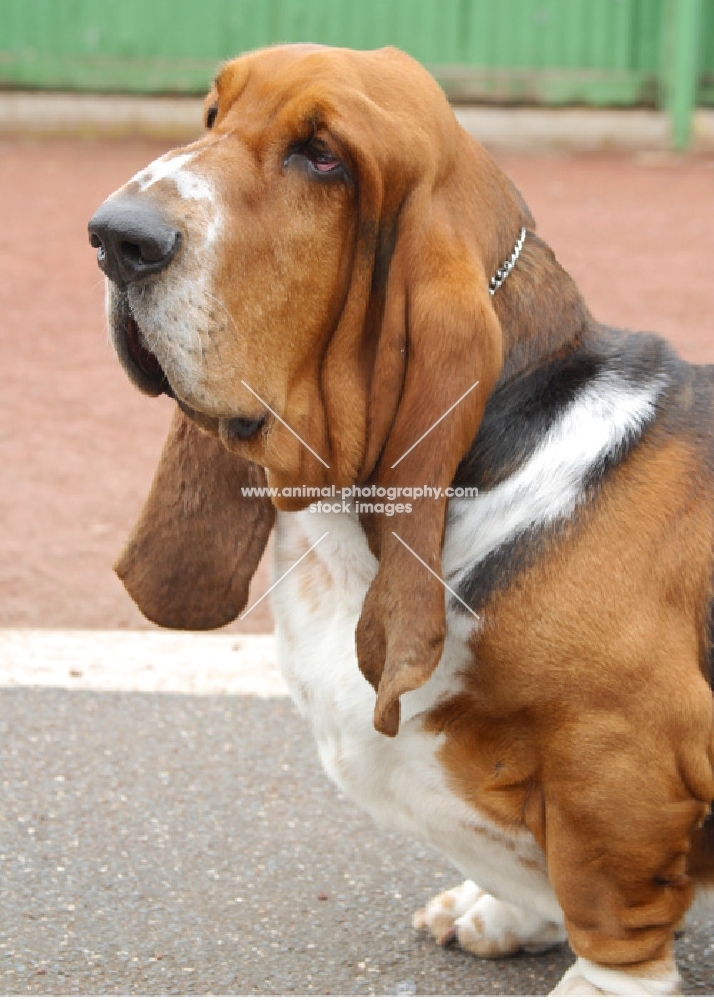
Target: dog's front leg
{"points": [[619, 822]]}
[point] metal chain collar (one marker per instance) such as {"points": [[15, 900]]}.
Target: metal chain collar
{"points": [[507, 266]]}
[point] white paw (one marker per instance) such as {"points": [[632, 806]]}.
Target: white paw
{"points": [[586, 979], [484, 925], [441, 913]]}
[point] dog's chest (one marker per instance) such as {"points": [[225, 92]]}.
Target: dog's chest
{"points": [[400, 781]]}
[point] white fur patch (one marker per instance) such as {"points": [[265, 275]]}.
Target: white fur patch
{"points": [[491, 928], [401, 781], [586, 978], [441, 912], [165, 166], [190, 186], [485, 926], [193, 187], [552, 481]]}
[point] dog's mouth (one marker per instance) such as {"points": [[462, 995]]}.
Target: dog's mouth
{"points": [[145, 371], [140, 363], [142, 357]]}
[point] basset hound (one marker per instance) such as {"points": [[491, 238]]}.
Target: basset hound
{"points": [[495, 516]]}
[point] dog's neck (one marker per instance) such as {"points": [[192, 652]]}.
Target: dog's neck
{"points": [[558, 360], [541, 311]]}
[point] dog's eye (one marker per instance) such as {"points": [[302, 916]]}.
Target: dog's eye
{"points": [[320, 157], [211, 116], [317, 158]]}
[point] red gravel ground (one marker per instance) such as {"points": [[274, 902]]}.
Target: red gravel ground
{"points": [[78, 445]]}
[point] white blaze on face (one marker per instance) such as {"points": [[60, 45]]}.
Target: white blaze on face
{"points": [[190, 185]]}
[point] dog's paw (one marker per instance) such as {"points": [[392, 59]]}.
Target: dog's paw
{"points": [[485, 926], [577, 986], [440, 914], [587, 979]]}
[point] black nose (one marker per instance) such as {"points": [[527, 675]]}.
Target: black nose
{"points": [[132, 239]]}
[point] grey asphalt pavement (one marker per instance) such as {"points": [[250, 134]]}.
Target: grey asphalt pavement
{"points": [[170, 844]]}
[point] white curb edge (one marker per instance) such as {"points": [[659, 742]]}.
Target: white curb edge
{"points": [[182, 662]]}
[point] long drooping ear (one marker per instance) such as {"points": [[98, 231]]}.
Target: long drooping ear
{"points": [[439, 317], [190, 558]]}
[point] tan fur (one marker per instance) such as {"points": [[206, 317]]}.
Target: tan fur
{"points": [[626, 653]]}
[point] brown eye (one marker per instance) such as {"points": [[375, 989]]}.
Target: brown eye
{"points": [[211, 116]]}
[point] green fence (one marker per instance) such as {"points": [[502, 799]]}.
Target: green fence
{"points": [[604, 52], [705, 56]]}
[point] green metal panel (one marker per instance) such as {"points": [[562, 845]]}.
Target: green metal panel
{"points": [[706, 79], [554, 51], [175, 45], [558, 51], [681, 47], [131, 45]]}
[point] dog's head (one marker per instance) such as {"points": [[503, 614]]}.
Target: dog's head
{"points": [[310, 281]]}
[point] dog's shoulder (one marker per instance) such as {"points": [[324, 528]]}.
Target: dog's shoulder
{"points": [[557, 434]]}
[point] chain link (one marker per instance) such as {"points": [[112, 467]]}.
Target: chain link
{"points": [[507, 266]]}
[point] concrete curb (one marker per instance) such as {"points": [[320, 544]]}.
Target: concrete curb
{"points": [[40, 113], [178, 119], [582, 130], [184, 662]]}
